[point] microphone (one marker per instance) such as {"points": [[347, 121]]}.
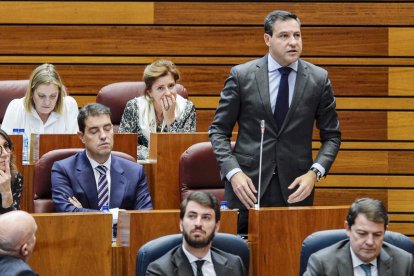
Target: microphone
{"points": [[262, 130]]}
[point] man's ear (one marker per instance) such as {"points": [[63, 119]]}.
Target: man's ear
{"points": [[181, 225], [347, 228], [24, 251], [80, 134], [267, 39], [217, 226]]}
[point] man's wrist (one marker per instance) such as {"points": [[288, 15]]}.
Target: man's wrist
{"points": [[318, 174]]}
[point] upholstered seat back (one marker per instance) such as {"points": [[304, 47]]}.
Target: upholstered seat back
{"points": [[199, 171], [322, 239], [116, 95], [156, 248], [42, 186], [9, 90]]}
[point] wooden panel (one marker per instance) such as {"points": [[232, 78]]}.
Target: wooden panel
{"points": [[274, 230], [206, 60], [401, 40], [401, 201], [73, 244], [166, 166], [36, 12], [135, 228], [122, 142], [309, 13], [361, 162], [368, 181], [404, 228], [117, 40], [401, 162], [327, 197], [342, 103], [200, 79], [401, 81], [400, 125]]}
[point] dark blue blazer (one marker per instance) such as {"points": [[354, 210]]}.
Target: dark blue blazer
{"points": [[13, 266], [74, 176]]}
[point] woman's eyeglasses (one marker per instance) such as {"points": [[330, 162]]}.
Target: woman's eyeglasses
{"points": [[5, 148]]}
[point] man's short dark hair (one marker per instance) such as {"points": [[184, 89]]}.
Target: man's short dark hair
{"points": [[373, 209], [274, 16], [204, 199], [92, 109]]}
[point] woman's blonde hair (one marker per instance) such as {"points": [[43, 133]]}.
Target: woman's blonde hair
{"points": [[45, 74], [157, 69]]}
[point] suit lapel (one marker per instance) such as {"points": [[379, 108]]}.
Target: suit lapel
{"points": [[118, 183], [344, 260], [86, 180], [220, 264], [181, 263], [384, 264], [262, 82], [300, 84]]}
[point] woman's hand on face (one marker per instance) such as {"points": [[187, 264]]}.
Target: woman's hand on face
{"points": [[168, 108], [5, 177]]}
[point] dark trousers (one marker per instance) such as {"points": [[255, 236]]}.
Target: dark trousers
{"points": [[272, 197]]}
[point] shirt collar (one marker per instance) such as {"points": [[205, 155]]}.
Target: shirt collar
{"points": [[357, 262], [95, 164], [273, 65], [192, 258]]}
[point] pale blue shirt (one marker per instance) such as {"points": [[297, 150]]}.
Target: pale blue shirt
{"points": [[356, 264], [208, 266]]}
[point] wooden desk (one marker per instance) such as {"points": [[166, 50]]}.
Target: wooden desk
{"points": [[276, 235], [73, 244], [165, 152], [135, 228]]}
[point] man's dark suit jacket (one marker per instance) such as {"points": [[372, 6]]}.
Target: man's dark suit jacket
{"points": [[245, 99], [74, 176], [336, 260], [12, 266], [175, 262]]}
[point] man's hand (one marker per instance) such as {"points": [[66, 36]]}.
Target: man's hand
{"points": [[244, 189], [75, 201], [306, 183]]}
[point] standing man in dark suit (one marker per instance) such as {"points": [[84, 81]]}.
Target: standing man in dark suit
{"points": [[289, 94], [199, 221], [17, 242], [365, 252], [93, 178]]}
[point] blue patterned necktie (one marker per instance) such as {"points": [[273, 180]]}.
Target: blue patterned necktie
{"points": [[199, 264], [103, 190], [282, 101], [366, 268]]}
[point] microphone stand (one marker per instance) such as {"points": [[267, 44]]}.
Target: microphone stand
{"points": [[262, 129]]}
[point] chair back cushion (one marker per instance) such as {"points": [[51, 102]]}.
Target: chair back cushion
{"points": [[9, 90], [42, 186], [199, 171], [156, 248], [322, 239], [116, 95]]}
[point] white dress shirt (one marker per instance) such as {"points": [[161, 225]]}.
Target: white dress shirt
{"points": [[208, 266], [16, 116], [356, 264]]}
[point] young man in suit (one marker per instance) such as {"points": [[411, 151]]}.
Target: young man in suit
{"points": [[17, 242], [199, 221], [365, 252], [93, 178], [290, 95]]}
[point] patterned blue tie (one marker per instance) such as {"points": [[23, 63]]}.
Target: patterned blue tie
{"points": [[282, 101], [366, 268], [103, 190]]}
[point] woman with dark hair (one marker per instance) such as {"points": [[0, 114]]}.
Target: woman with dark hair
{"points": [[11, 181]]}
